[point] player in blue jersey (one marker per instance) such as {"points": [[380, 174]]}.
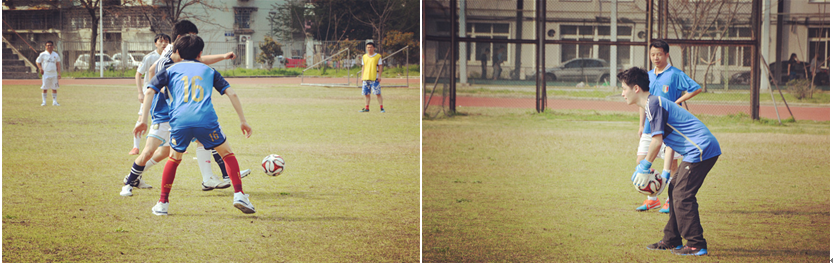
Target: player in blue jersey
{"points": [[192, 115], [671, 83], [209, 181], [681, 131], [157, 146]]}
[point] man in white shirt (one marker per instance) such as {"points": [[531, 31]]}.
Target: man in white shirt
{"points": [[49, 64], [160, 41]]}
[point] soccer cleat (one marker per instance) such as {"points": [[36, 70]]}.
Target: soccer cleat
{"points": [[243, 174], [43, 104], [160, 208], [383, 110], [55, 104], [214, 183], [364, 110], [690, 251], [134, 151], [661, 245], [241, 201], [648, 204], [143, 185], [126, 190], [665, 209]]}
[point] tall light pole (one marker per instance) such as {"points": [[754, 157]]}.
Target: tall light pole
{"points": [[100, 38]]}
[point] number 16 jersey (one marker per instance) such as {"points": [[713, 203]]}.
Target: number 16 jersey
{"points": [[189, 85]]}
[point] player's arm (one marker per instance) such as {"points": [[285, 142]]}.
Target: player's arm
{"points": [[235, 102], [687, 95], [142, 124], [641, 121], [58, 68], [379, 68], [139, 86], [211, 59], [40, 67]]}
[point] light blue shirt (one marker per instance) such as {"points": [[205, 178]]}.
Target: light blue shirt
{"points": [[189, 84], [680, 130], [670, 84]]}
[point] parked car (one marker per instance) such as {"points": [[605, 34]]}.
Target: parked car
{"points": [[581, 69], [743, 77], [133, 60], [82, 63]]}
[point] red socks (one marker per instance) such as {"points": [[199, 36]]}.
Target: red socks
{"points": [[168, 175], [381, 107], [234, 172], [367, 107]]}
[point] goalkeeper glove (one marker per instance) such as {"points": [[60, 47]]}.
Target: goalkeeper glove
{"points": [[642, 175]]}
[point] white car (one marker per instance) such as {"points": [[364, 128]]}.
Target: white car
{"points": [[82, 63], [133, 60]]}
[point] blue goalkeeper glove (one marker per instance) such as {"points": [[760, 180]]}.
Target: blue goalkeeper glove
{"points": [[642, 175]]}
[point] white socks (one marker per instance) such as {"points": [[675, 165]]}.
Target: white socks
{"points": [[204, 161], [150, 163], [44, 98], [649, 197], [54, 98]]}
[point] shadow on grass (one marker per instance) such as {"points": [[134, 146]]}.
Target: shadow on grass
{"points": [[774, 212], [753, 252]]}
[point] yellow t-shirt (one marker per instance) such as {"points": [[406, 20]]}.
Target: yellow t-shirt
{"points": [[369, 66]]}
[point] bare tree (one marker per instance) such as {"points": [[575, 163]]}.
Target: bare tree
{"points": [[703, 20], [376, 15], [92, 8], [162, 17]]}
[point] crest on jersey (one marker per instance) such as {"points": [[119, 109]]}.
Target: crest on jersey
{"points": [[665, 88]]}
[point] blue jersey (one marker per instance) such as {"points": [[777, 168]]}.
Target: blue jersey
{"points": [[189, 84], [670, 84], [680, 130], [159, 109]]}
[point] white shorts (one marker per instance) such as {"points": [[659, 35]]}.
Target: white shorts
{"points": [[161, 131], [50, 82], [645, 142]]}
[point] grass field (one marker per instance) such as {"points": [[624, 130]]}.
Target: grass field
{"points": [[350, 192], [507, 185]]}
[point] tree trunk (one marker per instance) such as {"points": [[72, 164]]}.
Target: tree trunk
{"points": [[93, 40]]}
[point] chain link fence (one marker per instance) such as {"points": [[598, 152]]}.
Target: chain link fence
{"points": [[714, 47]]}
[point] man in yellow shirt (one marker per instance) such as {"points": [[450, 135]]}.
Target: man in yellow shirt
{"points": [[371, 75]]}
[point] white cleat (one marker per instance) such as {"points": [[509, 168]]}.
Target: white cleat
{"points": [[241, 201], [126, 190], [214, 183], [160, 208], [143, 185], [43, 104], [245, 173], [55, 104]]}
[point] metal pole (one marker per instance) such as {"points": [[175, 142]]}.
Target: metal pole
{"points": [[463, 55], [765, 42], [100, 37], [756, 65], [452, 94], [614, 26]]}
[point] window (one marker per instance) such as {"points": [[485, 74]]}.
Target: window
{"points": [[486, 31], [243, 17], [819, 40], [594, 33]]}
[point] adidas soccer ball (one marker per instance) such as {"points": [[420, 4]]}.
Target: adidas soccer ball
{"points": [[273, 165], [655, 186]]}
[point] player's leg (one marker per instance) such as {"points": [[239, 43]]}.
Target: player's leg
{"points": [[209, 181], [180, 139], [44, 88], [684, 204], [377, 90], [52, 83], [222, 164], [134, 177], [55, 97], [241, 200], [136, 139], [666, 207], [366, 92], [650, 202]]}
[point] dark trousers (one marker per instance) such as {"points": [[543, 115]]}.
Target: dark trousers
{"points": [[483, 73], [684, 216]]}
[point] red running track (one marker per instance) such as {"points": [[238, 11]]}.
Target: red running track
{"points": [[800, 113], [231, 80]]}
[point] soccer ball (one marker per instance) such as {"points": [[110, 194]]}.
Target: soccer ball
{"points": [[273, 165], [655, 186]]}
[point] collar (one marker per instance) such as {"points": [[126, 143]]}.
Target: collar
{"points": [[371, 55], [667, 66]]}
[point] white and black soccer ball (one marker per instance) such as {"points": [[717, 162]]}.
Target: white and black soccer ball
{"points": [[273, 165], [655, 186]]}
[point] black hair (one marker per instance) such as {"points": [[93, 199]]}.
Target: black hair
{"points": [[658, 43], [184, 27], [189, 46], [53, 43], [371, 44], [635, 76], [162, 36]]}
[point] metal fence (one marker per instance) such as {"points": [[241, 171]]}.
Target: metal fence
{"points": [[567, 52]]}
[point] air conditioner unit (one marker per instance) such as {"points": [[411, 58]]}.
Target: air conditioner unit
{"points": [[245, 38]]}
